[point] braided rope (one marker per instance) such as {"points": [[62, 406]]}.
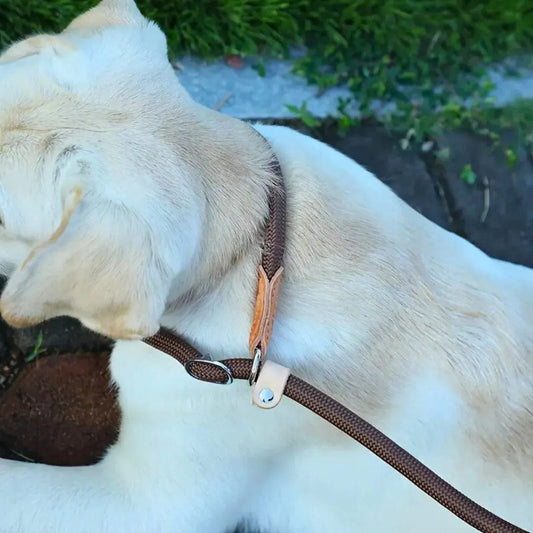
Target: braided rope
{"points": [[274, 242]]}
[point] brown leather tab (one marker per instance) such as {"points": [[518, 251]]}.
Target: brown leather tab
{"points": [[265, 309]]}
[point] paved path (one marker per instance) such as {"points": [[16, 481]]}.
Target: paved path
{"points": [[246, 94]]}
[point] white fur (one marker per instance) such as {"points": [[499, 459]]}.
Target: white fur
{"points": [[407, 324]]}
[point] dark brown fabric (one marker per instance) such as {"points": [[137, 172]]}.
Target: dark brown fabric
{"points": [[60, 410]]}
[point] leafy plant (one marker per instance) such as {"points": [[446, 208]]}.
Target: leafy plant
{"points": [[304, 115], [512, 158], [468, 175], [37, 349]]}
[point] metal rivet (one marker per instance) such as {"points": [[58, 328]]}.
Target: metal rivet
{"points": [[266, 395]]}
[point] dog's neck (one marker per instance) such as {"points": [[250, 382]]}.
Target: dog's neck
{"points": [[232, 164]]}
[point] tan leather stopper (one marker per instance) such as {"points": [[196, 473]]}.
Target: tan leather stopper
{"points": [[265, 309]]}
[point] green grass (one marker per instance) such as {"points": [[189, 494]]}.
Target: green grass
{"points": [[374, 45], [37, 349]]}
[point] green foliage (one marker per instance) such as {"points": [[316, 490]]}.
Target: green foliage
{"points": [[482, 118], [345, 120], [468, 175], [373, 45], [304, 115], [512, 158], [37, 349]]}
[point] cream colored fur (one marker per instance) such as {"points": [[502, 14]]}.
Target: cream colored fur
{"points": [[126, 205]]}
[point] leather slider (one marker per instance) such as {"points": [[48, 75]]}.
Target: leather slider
{"points": [[265, 309], [270, 385]]}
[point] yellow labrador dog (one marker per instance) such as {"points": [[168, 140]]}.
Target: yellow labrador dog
{"points": [[128, 206]]}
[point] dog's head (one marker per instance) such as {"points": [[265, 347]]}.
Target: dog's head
{"points": [[98, 214]]}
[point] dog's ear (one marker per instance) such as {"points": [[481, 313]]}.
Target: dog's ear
{"points": [[124, 14], [35, 45], [99, 267], [108, 13]]}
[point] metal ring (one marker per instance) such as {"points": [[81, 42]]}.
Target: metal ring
{"points": [[207, 361], [258, 356]]}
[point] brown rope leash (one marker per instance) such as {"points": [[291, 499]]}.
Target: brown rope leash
{"points": [[223, 372], [348, 422]]}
